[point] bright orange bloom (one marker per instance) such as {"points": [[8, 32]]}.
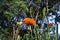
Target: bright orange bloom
{"points": [[30, 21], [49, 24]]}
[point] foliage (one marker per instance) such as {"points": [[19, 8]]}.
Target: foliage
{"points": [[12, 11], [44, 12]]}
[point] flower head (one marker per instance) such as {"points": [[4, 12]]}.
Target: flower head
{"points": [[20, 23], [30, 21], [49, 24]]}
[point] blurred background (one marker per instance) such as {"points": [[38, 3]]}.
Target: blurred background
{"points": [[43, 21]]}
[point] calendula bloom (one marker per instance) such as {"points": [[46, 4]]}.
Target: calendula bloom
{"points": [[30, 21], [20, 23], [49, 24]]}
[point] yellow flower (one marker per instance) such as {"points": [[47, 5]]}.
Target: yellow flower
{"points": [[20, 23]]}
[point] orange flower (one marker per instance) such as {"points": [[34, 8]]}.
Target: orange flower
{"points": [[49, 24], [30, 21]]}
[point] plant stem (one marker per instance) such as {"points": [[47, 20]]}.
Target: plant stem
{"points": [[31, 12]]}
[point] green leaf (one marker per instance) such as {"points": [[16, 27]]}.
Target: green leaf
{"points": [[44, 12], [22, 4], [8, 14], [18, 38]]}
